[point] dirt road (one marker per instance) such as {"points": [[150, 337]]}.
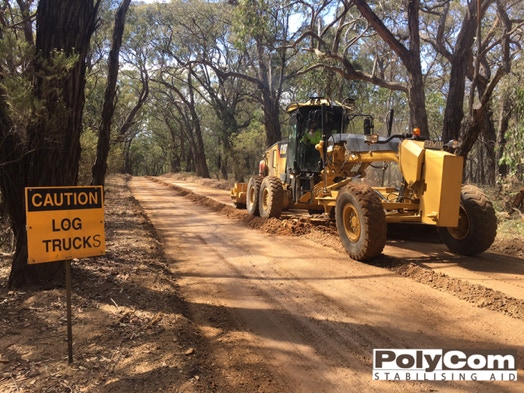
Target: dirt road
{"points": [[294, 313]]}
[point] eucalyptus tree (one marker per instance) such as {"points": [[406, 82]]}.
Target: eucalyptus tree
{"points": [[186, 100], [262, 31], [42, 79], [445, 46], [174, 77], [338, 32], [510, 130], [104, 131], [118, 82], [480, 40], [208, 27], [169, 124]]}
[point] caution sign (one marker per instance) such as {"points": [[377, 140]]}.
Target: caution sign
{"points": [[64, 223]]}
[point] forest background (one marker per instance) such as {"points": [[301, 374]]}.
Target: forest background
{"points": [[203, 84], [145, 88]]}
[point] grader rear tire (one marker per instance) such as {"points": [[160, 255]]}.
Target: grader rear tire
{"points": [[271, 197], [361, 222], [252, 195], [477, 225]]}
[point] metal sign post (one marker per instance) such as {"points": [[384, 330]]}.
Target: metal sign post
{"points": [[69, 313]]}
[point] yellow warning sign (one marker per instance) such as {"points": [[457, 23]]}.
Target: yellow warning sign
{"points": [[64, 223]]}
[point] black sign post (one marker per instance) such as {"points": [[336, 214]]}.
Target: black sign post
{"points": [[69, 312]]}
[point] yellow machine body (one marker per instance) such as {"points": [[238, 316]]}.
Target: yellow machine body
{"points": [[432, 176]]}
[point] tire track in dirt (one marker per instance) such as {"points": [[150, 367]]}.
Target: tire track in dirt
{"points": [[415, 268]]}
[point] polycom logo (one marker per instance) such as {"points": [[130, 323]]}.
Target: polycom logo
{"points": [[444, 365]]}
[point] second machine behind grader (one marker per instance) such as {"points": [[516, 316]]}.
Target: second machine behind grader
{"points": [[321, 168]]}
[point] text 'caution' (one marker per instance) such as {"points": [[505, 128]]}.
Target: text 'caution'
{"points": [[64, 223]]}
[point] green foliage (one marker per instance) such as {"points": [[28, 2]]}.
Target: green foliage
{"points": [[20, 99], [148, 157], [251, 19], [519, 99], [435, 104], [512, 154], [88, 141], [248, 148], [242, 37], [17, 56]]}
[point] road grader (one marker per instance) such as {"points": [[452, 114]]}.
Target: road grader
{"points": [[321, 168]]}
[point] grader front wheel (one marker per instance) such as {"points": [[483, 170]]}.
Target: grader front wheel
{"points": [[477, 225], [361, 222]]}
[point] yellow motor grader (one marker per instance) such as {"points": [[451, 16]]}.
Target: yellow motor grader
{"points": [[321, 168]]}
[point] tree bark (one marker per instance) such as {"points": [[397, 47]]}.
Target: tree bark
{"points": [[199, 154], [410, 57], [506, 109], [104, 132], [489, 137], [270, 93], [271, 110], [461, 67]]}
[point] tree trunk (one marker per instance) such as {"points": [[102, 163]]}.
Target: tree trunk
{"points": [[410, 58], [418, 117], [461, 66], [489, 136], [128, 167], [271, 118], [506, 110], [47, 153], [454, 111], [12, 182], [104, 133], [269, 93], [229, 127], [199, 155], [471, 130]]}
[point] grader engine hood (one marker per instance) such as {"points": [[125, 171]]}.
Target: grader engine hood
{"points": [[438, 176]]}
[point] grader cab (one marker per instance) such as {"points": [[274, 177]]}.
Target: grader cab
{"points": [[322, 168]]}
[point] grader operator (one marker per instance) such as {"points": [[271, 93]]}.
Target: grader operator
{"points": [[322, 168]]}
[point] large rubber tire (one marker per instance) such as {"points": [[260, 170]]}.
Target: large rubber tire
{"points": [[477, 225], [361, 221], [253, 192], [271, 197]]}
